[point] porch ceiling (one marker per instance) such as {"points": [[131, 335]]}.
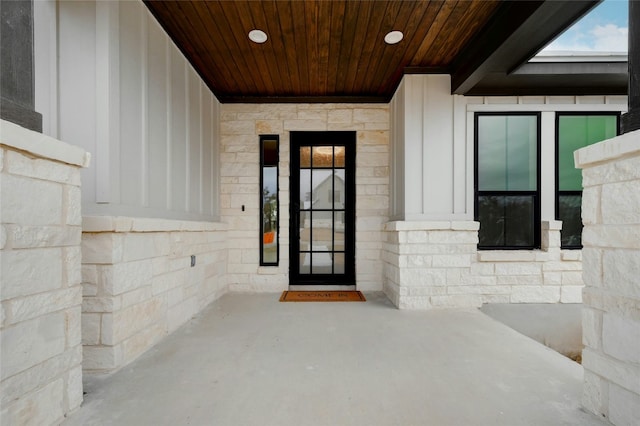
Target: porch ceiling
{"points": [[332, 51]]}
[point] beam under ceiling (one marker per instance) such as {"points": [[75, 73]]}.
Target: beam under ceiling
{"points": [[517, 31]]}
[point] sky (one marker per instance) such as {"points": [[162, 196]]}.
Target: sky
{"points": [[604, 29]]}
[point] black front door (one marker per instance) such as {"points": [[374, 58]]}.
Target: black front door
{"points": [[322, 234]]}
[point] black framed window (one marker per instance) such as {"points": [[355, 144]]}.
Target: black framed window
{"points": [[575, 131], [269, 205], [507, 180]]}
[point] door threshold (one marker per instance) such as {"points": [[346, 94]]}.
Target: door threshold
{"points": [[320, 287]]}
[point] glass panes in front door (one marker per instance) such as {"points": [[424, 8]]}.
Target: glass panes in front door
{"points": [[322, 191], [322, 242]]}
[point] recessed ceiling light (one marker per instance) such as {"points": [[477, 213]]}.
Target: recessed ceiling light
{"points": [[257, 36], [393, 37]]}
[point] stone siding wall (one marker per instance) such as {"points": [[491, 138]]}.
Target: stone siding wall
{"points": [[437, 265], [139, 283], [241, 125], [40, 291], [611, 315]]}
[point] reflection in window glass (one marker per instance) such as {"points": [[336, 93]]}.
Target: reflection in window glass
{"points": [[507, 203], [338, 157], [321, 184], [305, 263], [570, 212], [339, 185], [321, 262], [338, 231], [576, 131], [321, 231], [269, 200], [338, 263], [322, 203], [507, 153], [305, 156], [322, 156], [506, 221]]}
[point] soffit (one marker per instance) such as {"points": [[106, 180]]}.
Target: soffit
{"points": [[333, 51]]}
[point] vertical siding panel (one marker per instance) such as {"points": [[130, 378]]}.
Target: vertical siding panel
{"points": [[459, 157], [200, 159], [157, 112], [194, 142], [144, 110], [397, 153], [427, 192], [114, 113], [168, 119], [207, 150], [103, 93], [187, 138], [178, 131], [470, 190], [413, 145], [77, 69], [215, 157], [131, 120], [438, 146]]}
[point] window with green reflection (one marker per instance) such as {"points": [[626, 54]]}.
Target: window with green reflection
{"points": [[507, 180], [575, 131]]}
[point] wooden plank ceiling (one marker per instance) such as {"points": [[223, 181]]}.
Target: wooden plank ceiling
{"points": [[318, 50]]}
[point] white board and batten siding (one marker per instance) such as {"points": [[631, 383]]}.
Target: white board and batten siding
{"points": [[429, 151], [130, 98], [432, 147]]}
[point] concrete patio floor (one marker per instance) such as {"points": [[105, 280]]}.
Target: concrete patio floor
{"points": [[251, 360]]}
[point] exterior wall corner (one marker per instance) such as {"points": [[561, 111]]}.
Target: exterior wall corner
{"points": [[611, 316]]}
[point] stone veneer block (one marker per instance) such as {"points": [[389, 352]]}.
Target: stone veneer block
{"points": [[41, 293], [611, 320], [139, 285]]}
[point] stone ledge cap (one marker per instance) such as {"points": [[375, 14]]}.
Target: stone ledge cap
{"points": [[627, 145], [551, 225], [136, 224], [40, 145]]}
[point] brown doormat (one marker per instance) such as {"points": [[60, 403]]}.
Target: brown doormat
{"points": [[322, 296]]}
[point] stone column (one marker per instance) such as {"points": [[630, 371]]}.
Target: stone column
{"points": [[631, 120], [17, 84], [611, 256], [40, 281]]}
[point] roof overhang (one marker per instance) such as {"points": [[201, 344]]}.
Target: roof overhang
{"points": [[560, 75], [485, 49], [515, 34]]}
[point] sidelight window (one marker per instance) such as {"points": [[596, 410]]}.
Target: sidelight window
{"points": [[269, 206]]}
